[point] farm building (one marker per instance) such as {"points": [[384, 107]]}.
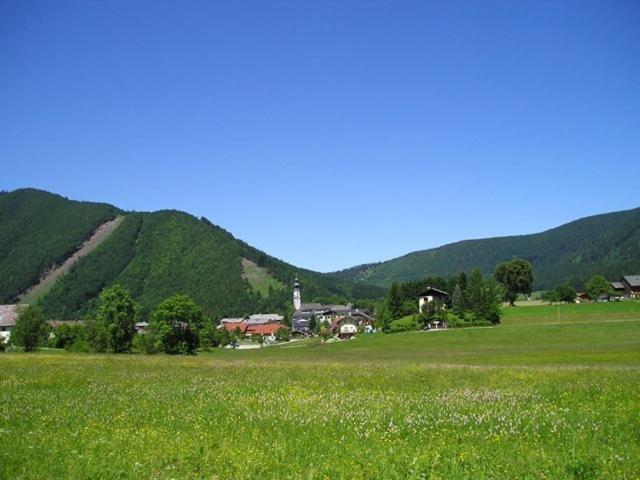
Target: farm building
{"points": [[631, 285]]}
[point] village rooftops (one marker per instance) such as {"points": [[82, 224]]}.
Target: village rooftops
{"points": [[434, 292], [632, 280], [8, 315], [232, 320], [263, 318]]}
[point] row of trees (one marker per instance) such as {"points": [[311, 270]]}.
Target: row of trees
{"points": [[596, 287], [178, 326], [475, 299]]}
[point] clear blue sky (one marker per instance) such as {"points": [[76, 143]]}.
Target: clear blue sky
{"points": [[328, 133]]}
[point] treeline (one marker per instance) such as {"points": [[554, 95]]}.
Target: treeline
{"points": [[472, 300], [178, 325], [39, 230]]}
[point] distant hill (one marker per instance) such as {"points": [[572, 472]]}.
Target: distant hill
{"points": [[39, 230], [153, 254], [607, 244]]}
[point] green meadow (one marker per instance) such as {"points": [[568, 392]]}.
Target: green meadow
{"points": [[553, 392]]}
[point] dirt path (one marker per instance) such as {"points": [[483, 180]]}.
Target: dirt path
{"points": [[45, 284]]}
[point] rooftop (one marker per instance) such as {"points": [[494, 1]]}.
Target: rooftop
{"points": [[633, 280]]}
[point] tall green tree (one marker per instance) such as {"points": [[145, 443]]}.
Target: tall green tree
{"points": [[119, 313], [516, 277], [458, 302], [596, 286], [483, 297], [394, 301], [30, 329], [177, 322], [566, 293]]}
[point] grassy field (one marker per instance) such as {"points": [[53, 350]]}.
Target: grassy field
{"points": [[532, 398]]}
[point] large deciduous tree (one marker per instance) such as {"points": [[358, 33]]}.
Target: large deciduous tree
{"points": [[516, 277], [177, 322], [597, 286], [30, 329], [119, 314]]}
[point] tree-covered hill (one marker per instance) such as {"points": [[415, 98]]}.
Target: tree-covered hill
{"points": [[154, 255], [607, 244], [39, 230]]}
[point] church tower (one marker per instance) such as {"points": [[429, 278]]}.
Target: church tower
{"points": [[297, 299]]}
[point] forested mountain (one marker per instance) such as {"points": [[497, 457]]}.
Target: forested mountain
{"points": [[154, 255], [39, 230], [607, 244]]}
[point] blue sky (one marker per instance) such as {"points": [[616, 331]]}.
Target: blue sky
{"points": [[328, 133]]}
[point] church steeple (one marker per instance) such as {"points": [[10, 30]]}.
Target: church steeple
{"points": [[297, 299]]}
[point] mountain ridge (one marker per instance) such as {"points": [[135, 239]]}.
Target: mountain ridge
{"points": [[153, 254], [604, 243]]}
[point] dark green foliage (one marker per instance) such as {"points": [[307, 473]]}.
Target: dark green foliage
{"points": [[146, 343], [30, 329], [551, 296], [75, 295], [606, 244], [516, 276], [119, 313], [97, 335], [67, 335], [597, 286], [283, 334], [156, 255], [314, 325], [395, 301], [458, 300], [39, 230], [177, 322], [211, 336], [566, 293]]}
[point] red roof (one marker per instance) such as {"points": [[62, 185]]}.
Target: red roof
{"points": [[233, 326], [266, 329]]}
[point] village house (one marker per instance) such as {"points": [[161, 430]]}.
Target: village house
{"points": [[432, 294], [8, 316], [631, 285]]}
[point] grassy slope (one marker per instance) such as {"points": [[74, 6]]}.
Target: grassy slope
{"points": [[39, 230], [259, 278], [523, 400], [606, 244]]}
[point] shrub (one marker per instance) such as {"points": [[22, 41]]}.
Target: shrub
{"points": [[97, 335], [80, 345], [146, 343]]}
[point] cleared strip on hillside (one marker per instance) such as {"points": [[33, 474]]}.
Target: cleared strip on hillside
{"points": [[50, 278], [259, 278]]}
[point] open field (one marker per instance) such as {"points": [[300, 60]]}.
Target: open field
{"points": [[531, 398]]}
